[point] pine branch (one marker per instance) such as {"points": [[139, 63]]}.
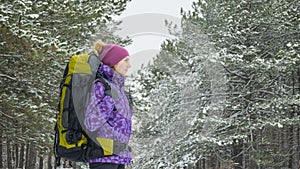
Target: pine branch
{"points": [[22, 81], [14, 79], [9, 77], [10, 117]]}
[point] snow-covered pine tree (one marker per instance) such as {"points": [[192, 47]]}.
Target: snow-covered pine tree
{"points": [[259, 44], [183, 86], [37, 37]]}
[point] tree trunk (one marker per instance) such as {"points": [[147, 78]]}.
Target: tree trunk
{"points": [[22, 156], [279, 138], [27, 165], [290, 146], [296, 127], [285, 145], [32, 156], [16, 155], [50, 161], [295, 156], [237, 153], [294, 130], [8, 154], [1, 147], [41, 162]]}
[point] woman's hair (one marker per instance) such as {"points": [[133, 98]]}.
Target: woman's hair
{"points": [[98, 46]]}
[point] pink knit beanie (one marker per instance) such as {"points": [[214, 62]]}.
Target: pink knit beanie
{"points": [[111, 54]]}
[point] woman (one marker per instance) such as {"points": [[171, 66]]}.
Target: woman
{"points": [[110, 117]]}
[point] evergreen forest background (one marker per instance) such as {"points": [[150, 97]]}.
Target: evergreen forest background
{"points": [[225, 93]]}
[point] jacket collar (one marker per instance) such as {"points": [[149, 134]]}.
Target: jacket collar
{"points": [[109, 74]]}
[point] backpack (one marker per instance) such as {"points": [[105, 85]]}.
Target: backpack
{"points": [[71, 141]]}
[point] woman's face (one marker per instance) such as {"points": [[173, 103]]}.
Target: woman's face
{"points": [[123, 66]]}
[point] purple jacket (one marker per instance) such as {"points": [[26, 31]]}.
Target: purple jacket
{"points": [[108, 117]]}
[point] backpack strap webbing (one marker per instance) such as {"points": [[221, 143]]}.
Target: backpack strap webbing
{"points": [[109, 91]]}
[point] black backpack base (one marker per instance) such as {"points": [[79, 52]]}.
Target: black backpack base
{"points": [[79, 153]]}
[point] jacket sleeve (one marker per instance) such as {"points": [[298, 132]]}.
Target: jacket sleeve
{"points": [[99, 108]]}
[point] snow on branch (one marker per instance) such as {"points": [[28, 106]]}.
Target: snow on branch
{"points": [[22, 81], [9, 77], [10, 117]]}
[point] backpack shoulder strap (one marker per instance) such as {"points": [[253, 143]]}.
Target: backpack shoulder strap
{"points": [[95, 63], [109, 91]]}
